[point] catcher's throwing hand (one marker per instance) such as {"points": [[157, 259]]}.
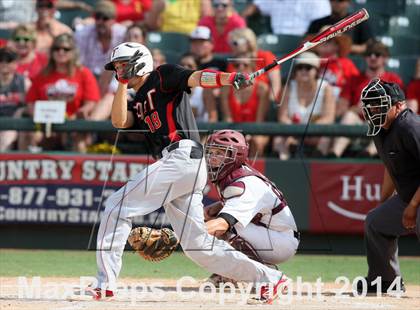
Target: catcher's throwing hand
{"points": [[153, 244]]}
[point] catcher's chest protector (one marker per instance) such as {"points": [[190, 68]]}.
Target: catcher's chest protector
{"points": [[245, 171]]}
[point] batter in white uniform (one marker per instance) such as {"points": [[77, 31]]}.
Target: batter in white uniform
{"points": [[251, 205], [176, 181]]}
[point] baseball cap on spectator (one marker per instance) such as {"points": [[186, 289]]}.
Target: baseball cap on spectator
{"points": [[201, 33], [7, 55], [105, 9], [308, 58], [377, 48]]}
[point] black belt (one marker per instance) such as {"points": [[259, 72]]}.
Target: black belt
{"points": [[196, 149]]}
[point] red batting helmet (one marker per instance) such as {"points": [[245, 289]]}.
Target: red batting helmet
{"points": [[232, 153]]}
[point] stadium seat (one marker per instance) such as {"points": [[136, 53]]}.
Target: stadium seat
{"points": [[358, 61], [67, 16], [382, 7], [379, 24], [172, 57], [240, 5], [168, 41], [404, 26], [278, 44], [404, 66], [260, 24], [5, 33], [401, 45]]}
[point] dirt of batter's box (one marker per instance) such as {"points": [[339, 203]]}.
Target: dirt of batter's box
{"points": [[186, 294]]}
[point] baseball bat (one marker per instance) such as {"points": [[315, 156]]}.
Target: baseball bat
{"points": [[340, 27]]}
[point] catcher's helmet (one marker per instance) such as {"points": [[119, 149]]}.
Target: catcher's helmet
{"points": [[233, 153], [124, 51], [377, 98]]}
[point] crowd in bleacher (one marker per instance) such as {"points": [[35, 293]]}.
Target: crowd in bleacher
{"points": [[56, 50]]}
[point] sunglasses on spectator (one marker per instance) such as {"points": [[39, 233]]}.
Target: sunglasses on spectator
{"points": [[238, 42], [61, 48], [22, 38], [239, 64], [376, 54], [48, 5], [304, 67], [100, 16], [220, 4]]}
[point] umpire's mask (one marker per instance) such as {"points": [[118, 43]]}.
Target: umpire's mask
{"points": [[377, 98]]}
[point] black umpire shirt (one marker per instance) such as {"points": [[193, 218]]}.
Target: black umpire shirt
{"points": [[399, 148], [162, 108]]}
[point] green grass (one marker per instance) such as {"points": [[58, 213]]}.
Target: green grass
{"points": [[82, 263]]}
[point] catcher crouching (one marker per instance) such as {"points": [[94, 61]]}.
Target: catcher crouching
{"points": [[252, 213]]}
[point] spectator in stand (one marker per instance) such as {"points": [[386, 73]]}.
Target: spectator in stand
{"points": [[47, 27], [30, 62], [158, 58], [224, 20], [243, 40], [336, 67], [202, 113], [95, 42], [65, 79], [339, 10], [136, 33], [201, 46], [289, 16], [413, 90], [307, 99], [13, 13], [129, 11], [12, 95], [376, 57], [247, 105], [176, 15]]}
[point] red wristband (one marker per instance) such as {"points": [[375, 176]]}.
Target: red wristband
{"points": [[210, 78]]}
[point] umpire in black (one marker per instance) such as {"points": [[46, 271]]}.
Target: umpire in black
{"points": [[396, 133]]}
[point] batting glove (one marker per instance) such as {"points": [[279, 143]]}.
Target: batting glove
{"points": [[239, 80], [132, 67]]}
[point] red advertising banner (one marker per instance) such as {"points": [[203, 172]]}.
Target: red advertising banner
{"points": [[342, 194]]}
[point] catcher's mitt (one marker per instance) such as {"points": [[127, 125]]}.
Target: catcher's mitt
{"points": [[153, 244]]}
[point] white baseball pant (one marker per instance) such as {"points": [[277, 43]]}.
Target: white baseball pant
{"points": [[176, 181]]}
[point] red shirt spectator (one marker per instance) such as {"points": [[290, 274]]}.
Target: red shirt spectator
{"points": [[247, 111], [58, 86], [131, 9], [355, 85], [413, 93], [263, 58], [32, 69], [338, 72], [225, 20]]}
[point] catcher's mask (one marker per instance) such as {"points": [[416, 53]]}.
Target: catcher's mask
{"points": [[377, 98], [225, 150]]}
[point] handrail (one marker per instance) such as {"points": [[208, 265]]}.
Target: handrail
{"points": [[266, 128]]}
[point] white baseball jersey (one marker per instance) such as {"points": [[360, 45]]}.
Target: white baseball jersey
{"points": [[250, 195]]}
